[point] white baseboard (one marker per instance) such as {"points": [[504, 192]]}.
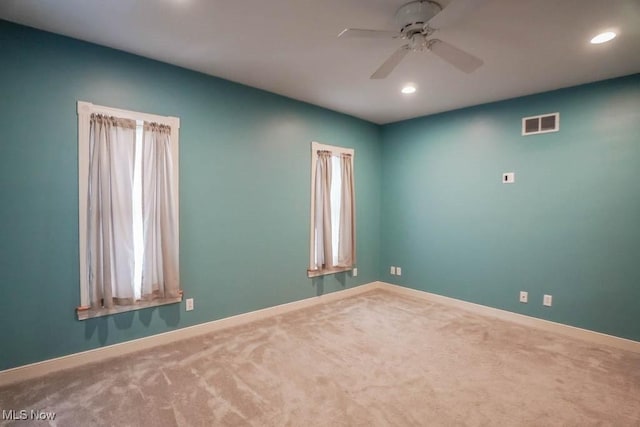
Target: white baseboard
{"points": [[593, 337], [33, 370]]}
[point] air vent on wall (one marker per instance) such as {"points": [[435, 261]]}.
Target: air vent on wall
{"points": [[541, 124]]}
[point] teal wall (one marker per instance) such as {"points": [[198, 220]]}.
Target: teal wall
{"points": [[429, 198], [244, 198], [569, 226]]}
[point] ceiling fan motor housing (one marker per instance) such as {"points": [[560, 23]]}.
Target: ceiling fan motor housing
{"points": [[413, 16]]}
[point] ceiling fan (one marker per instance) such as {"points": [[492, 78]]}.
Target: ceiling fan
{"points": [[419, 20]]}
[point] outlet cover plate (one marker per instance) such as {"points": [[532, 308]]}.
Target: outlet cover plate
{"points": [[524, 296], [189, 304], [547, 300]]}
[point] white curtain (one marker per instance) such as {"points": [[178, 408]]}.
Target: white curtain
{"points": [[110, 217], [160, 271], [322, 216], [333, 240], [346, 239]]}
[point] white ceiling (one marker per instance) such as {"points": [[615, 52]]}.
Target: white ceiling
{"points": [[290, 47]]}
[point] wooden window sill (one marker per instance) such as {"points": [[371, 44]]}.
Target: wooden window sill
{"points": [[89, 313], [317, 273]]}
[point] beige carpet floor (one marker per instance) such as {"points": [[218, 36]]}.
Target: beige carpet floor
{"points": [[377, 359]]}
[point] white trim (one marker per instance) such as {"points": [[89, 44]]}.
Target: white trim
{"points": [[140, 305], [315, 147], [539, 131], [85, 109], [33, 370], [83, 184], [593, 337], [318, 273]]}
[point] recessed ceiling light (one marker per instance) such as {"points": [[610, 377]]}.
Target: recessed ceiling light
{"points": [[408, 89], [603, 37]]}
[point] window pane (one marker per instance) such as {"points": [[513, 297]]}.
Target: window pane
{"points": [[336, 199], [138, 244]]}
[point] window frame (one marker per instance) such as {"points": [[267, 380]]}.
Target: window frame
{"points": [[334, 149], [84, 111]]}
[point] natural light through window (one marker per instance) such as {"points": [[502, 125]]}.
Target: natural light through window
{"points": [[128, 210], [138, 242], [336, 184], [332, 234]]}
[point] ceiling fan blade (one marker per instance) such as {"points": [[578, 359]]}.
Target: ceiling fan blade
{"points": [[387, 67], [372, 34], [458, 58], [454, 11]]}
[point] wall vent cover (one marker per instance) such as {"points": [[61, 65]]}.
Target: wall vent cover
{"points": [[541, 124]]}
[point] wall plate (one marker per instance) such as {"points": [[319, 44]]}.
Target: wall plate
{"points": [[508, 177]]}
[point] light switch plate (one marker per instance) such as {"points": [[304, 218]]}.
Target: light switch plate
{"points": [[508, 177]]}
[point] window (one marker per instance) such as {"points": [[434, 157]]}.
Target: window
{"points": [[332, 231], [128, 210]]}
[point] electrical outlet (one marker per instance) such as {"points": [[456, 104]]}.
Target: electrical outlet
{"points": [[392, 270], [524, 296], [546, 300], [398, 271], [354, 272], [189, 304]]}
